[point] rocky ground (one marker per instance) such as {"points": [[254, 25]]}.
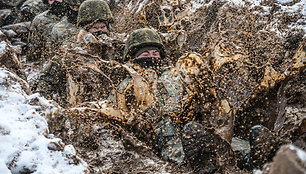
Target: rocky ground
{"points": [[255, 52]]}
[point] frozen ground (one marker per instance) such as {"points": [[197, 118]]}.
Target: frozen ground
{"points": [[25, 144]]}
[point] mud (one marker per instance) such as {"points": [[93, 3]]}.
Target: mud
{"points": [[252, 72]]}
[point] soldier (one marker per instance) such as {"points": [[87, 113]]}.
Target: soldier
{"points": [[160, 92], [22, 10], [95, 17], [52, 83], [65, 31], [144, 51], [40, 30], [31, 8]]}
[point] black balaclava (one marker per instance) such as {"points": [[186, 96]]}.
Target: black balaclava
{"points": [[57, 8]]}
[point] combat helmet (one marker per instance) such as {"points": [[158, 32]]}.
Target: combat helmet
{"points": [[73, 2], [94, 10], [142, 38]]}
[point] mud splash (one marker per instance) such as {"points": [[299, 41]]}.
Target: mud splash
{"points": [[247, 67]]}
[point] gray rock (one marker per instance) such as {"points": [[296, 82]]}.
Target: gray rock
{"points": [[239, 145]]}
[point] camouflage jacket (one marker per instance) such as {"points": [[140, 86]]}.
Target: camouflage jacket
{"points": [[63, 33], [36, 4], [168, 92], [74, 76], [181, 98], [39, 35]]}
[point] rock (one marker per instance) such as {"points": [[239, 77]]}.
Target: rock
{"points": [[289, 159], [56, 146], [240, 146], [19, 28], [4, 13], [10, 33], [12, 3], [9, 59]]}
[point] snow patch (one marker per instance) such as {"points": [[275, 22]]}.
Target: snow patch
{"points": [[238, 2], [284, 1], [257, 172], [300, 153], [2, 46], [24, 138]]}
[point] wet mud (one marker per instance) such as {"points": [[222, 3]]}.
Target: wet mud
{"points": [[246, 67]]}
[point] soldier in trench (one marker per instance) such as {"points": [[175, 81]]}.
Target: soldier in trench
{"points": [[21, 10], [202, 141], [59, 79], [41, 27], [160, 92], [65, 31]]}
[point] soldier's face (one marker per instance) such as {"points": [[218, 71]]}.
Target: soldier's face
{"points": [[149, 53], [149, 59], [98, 27]]}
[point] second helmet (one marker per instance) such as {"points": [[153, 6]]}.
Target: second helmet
{"points": [[94, 10], [142, 38]]}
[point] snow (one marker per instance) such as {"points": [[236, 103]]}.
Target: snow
{"points": [[257, 172], [300, 153], [24, 139], [2, 46], [238, 2], [284, 1], [299, 8]]}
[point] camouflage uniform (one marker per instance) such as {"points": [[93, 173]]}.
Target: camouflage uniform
{"points": [[168, 91], [63, 33], [55, 73], [72, 79], [39, 35]]}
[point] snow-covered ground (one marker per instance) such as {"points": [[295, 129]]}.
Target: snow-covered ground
{"points": [[25, 144]]}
